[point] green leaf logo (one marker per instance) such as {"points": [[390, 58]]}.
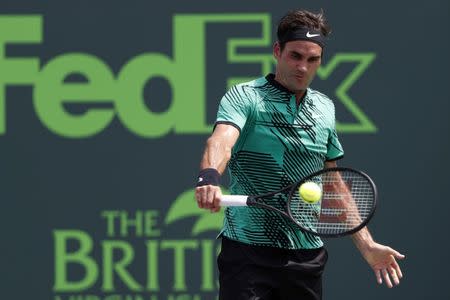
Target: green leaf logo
{"points": [[185, 206]]}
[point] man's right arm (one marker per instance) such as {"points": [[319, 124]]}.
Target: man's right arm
{"points": [[216, 156]]}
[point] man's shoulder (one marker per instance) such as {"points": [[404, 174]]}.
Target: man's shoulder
{"points": [[254, 83], [319, 96], [249, 89]]}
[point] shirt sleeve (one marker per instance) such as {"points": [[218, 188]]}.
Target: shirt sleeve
{"points": [[334, 147], [234, 108]]}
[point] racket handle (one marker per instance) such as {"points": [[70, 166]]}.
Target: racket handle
{"points": [[233, 200]]}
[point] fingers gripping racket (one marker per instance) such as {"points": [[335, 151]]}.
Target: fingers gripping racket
{"points": [[345, 202]]}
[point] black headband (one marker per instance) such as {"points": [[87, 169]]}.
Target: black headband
{"points": [[303, 34]]}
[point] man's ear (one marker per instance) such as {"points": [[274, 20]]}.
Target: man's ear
{"points": [[277, 50]]}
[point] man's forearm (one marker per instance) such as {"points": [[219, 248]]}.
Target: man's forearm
{"points": [[218, 147], [363, 239], [217, 154]]}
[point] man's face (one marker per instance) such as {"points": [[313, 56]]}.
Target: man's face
{"points": [[297, 64]]}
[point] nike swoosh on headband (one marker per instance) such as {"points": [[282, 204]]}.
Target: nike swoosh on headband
{"points": [[311, 35], [305, 34]]}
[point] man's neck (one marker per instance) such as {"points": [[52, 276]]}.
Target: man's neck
{"points": [[298, 94], [299, 97]]}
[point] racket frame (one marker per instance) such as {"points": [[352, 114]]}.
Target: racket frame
{"points": [[253, 201]]}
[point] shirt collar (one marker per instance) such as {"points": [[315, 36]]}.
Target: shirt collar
{"points": [[271, 79]]}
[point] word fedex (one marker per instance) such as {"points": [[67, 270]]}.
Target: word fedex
{"points": [[107, 96]]}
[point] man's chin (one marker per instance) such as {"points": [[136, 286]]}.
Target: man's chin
{"points": [[299, 89], [300, 86]]}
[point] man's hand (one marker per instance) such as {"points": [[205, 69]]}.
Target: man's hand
{"points": [[382, 259], [208, 197]]}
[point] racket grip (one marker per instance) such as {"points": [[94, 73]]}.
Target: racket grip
{"points": [[233, 200]]}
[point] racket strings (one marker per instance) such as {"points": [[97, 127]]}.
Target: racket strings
{"points": [[347, 201]]}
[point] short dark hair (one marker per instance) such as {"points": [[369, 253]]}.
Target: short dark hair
{"points": [[296, 19]]}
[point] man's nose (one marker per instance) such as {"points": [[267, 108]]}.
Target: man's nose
{"points": [[301, 66]]}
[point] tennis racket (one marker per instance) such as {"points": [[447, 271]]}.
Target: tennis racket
{"points": [[347, 203]]}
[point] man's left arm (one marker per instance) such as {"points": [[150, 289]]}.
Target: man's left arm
{"points": [[382, 259]]}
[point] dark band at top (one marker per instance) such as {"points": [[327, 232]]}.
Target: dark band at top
{"points": [[303, 34]]}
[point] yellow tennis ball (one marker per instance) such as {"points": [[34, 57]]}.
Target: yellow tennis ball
{"points": [[310, 192]]}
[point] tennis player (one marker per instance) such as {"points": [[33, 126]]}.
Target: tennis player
{"points": [[270, 132]]}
